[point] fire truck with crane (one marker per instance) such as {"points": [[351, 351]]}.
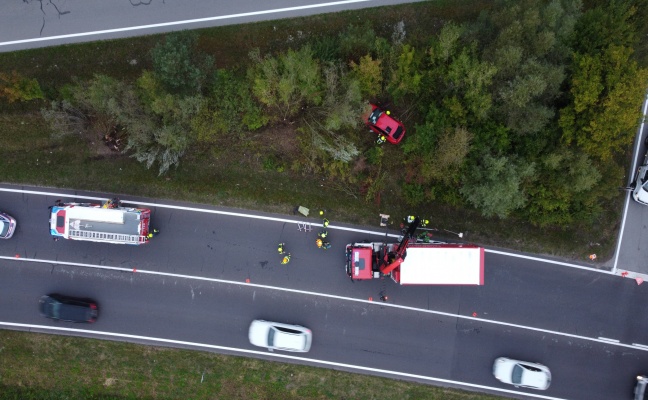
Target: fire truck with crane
{"points": [[107, 223], [413, 263]]}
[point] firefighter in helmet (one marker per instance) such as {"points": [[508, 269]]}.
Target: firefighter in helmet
{"points": [[282, 248], [381, 139], [286, 259]]}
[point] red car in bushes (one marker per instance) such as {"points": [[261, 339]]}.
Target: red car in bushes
{"points": [[381, 122]]}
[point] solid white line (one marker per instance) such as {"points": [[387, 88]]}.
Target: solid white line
{"points": [[544, 260], [189, 21], [608, 340], [291, 221], [330, 296], [631, 177], [275, 355], [195, 209], [640, 345]]}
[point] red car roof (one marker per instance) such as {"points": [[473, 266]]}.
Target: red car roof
{"points": [[384, 124]]}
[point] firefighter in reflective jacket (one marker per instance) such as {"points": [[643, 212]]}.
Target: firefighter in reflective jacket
{"points": [[286, 259]]}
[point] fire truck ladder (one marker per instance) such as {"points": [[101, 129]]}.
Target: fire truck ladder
{"points": [[107, 237]]}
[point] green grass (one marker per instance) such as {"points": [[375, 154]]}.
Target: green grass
{"points": [[39, 366]]}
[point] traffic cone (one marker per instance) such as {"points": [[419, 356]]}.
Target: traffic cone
{"points": [[639, 281]]}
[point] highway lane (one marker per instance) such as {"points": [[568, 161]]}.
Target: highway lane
{"points": [[518, 291], [370, 335], [31, 23]]}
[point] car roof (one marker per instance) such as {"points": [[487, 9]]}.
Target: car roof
{"points": [[533, 378], [288, 340]]}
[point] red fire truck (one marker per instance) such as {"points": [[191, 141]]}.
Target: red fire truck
{"points": [[412, 263], [108, 222]]}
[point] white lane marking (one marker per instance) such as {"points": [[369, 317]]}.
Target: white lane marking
{"points": [[544, 260], [608, 340], [235, 214], [640, 345], [195, 209], [271, 354], [633, 172], [326, 295], [189, 21]]}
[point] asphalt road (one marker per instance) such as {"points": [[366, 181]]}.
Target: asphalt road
{"points": [[32, 23], [632, 251], [561, 311]]}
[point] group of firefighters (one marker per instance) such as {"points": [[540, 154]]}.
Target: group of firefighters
{"points": [[321, 241]]}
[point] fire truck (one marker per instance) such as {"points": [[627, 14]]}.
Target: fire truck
{"points": [[107, 223], [414, 263]]}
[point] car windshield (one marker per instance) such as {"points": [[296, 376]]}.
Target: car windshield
{"points": [[516, 377], [4, 227], [271, 334], [373, 118]]}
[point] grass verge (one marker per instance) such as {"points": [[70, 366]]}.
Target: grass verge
{"points": [[32, 366]]}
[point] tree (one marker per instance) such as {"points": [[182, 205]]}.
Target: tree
{"points": [[444, 165], [527, 42], [406, 78], [15, 87], [230, 110], [368, 73], [65, 119], [179, 66], [342, 104], [286, 83], [496, 188], [566, 185], [606, 91]]}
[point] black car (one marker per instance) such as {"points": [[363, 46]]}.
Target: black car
{"points": [[71, 309]]}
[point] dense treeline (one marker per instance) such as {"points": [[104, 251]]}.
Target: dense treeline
{"points": [[526, 111]]}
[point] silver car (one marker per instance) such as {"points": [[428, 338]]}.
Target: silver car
{"points": [[522, 373], [275, 335], [640, 389], [7, 226]]}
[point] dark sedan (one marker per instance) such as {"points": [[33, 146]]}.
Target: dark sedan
{"points": [[70, 309]]}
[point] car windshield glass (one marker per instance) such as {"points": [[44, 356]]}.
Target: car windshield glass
{"points": [[516, 377], [373, 118], [56, 309], [271, 333], [4, 227], [288, 330], [645, 186]]}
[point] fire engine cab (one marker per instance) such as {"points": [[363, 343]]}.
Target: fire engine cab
{"points": [[107, 223], [411, 263]]}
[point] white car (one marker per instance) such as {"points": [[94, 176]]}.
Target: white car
{"points": [[275, 335], [522, 373], [7, 226]]}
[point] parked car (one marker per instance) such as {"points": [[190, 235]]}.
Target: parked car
{"points": [[7, 225], [522, 373], [70, 309], [383, 123], [275, 335], [640, 389]]}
